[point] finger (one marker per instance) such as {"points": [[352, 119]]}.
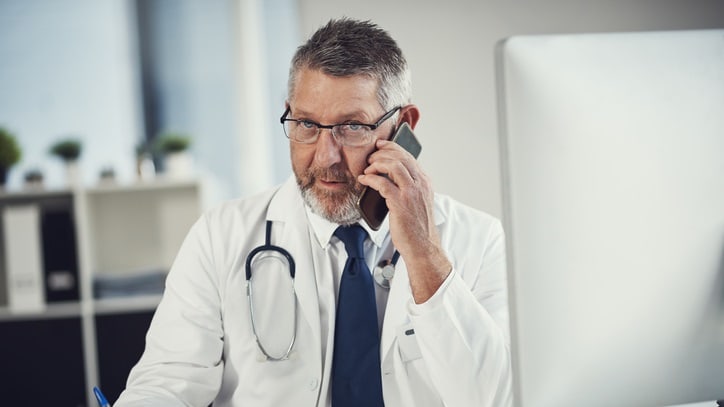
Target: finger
{"points": [[383, 185], [395, 170], [402, 171], [385, 147], [388, 150]]}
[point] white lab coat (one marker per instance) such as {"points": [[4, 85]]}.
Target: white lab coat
{"points": [[200, 345]]}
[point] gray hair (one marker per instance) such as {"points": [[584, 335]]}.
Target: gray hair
{"points": [[346, 47]]}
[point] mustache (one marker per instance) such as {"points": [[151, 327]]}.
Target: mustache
{"points": [[334, 174]]}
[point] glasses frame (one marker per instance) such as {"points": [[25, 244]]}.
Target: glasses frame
{"points": [[283, 119]]}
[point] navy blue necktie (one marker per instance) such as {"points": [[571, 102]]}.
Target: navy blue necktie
{"points": [[356, 379]]}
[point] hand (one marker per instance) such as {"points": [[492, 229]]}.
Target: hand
{"points": [[409, 196]]}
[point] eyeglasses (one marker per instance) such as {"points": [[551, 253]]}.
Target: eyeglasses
{"points": [[347, 134]]}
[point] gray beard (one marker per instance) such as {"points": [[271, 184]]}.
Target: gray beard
{"points": [[340, 208], [344, 212]]}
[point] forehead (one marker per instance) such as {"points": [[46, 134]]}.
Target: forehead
{"points": [[319, 93]]}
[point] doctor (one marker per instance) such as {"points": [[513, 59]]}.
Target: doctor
{"points": [[442, 320]]}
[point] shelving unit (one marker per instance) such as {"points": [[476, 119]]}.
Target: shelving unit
{"points": [[120, 230]]}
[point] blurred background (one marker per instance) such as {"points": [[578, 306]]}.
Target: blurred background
{"points": [[116, 73]]}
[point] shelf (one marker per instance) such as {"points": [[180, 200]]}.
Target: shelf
{"points": [[73, 309], [158, 184], [119, 231], [149, 220], [126, 304], [39, 193], [57, 310]]}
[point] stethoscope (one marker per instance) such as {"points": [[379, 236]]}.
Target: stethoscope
{"points": [[383, 274], [385, 270], [267, 247]]}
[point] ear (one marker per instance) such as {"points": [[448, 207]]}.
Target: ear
{"points": [[409, 114]]}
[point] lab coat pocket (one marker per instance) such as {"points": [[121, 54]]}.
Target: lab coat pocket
{"points": [[421, 390], [409, 348]]}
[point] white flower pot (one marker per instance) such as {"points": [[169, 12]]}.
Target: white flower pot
{"points": [[145, 169], [72, 174], [178, 165]]}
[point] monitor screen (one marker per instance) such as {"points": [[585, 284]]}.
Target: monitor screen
{"points": [[612, 151]]}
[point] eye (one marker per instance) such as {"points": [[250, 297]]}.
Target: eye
{"points": [[355, 127], [307, 124]]}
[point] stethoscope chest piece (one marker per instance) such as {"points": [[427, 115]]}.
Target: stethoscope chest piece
{"points": [[385, 270], [383, 274]]}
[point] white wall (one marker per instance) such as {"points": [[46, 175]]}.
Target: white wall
{"points": [[449, 46], [68, 68]]}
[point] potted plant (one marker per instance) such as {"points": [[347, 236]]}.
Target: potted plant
{"points": [[107, 176], [34, 178], [10, 154], [145, 168], [169, 142], [173, 147], [69, 150]]}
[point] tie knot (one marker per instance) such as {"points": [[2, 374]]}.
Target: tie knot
{"points": [[353, 237]]}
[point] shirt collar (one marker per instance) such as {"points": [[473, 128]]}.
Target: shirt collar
{"points": [[324, 229]]}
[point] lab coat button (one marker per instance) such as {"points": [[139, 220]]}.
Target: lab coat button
{"points": [[313, 384]]}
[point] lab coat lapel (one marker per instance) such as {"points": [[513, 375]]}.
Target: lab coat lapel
{"points": [[291, 232]]}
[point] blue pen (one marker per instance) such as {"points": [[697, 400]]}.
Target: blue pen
{"points": [[102, 402]]}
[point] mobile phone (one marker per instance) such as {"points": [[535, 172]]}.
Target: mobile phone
{"points": [[371, 204]]}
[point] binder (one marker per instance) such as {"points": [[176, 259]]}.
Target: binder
{"points": [[3, 274], [23, 258], [60, 260]]}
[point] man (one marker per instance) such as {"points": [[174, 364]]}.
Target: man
{"points": [[439, 336]]}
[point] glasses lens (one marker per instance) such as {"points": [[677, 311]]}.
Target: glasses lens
{"points": [[301, 131], [353, 134]]}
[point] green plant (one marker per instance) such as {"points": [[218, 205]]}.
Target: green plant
{"points": [[172, 142], [108, 173], [67, 150], [33, 175], [10, 152]]}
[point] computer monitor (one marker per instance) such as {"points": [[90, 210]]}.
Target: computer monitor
{"points": [[612, 151]]}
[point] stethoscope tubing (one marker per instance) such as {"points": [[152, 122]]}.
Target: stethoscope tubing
{"points": [[249, 293], [267, 246]]}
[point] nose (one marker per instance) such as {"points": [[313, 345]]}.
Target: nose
{"points": [[328, 150]]}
